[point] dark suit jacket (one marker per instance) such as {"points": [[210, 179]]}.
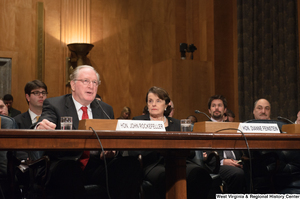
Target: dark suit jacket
{"points": [[13, 112], [23, 120], [57, 107], [152, 157]]}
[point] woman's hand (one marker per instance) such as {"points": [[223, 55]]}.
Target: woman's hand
{"points": [[107, 154]]}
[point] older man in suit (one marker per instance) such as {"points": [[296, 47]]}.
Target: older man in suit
{"points": [[72, 170]]}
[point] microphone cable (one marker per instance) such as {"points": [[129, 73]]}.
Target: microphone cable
{"points": [[248, 149], [104, 159], [102, 109]]}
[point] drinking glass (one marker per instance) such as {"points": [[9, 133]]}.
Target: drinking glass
{"points": [[186, 125], [66, 123]]}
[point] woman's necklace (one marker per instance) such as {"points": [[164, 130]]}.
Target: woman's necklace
{"points": [[165, 119]]}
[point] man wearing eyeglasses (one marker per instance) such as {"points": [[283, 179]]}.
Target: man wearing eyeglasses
{"points": [[71, 170], [35, 94]]}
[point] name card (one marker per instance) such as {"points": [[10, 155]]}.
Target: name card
{"points": [[259, 128], [140, 125]]}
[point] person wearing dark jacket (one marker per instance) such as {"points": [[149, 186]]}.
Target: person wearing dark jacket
{"points": [[198, 179]]}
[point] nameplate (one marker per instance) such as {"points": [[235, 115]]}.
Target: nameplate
{"points": [[140, 125], [259, 128]]}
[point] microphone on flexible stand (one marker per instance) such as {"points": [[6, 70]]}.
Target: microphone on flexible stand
{"points": [[102, 109], [285, 120], [197, 111]]}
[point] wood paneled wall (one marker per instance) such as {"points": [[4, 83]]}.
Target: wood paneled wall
{"points": [[131, 38]]}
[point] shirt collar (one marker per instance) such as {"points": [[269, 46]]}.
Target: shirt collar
{"points": [[78, 105], [32, 115]]}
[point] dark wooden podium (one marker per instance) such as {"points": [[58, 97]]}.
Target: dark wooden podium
{"points": [[215, 126], [175, 160]]}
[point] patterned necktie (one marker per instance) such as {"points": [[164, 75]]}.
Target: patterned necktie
{"points": [[37, 118], [86, 154]]}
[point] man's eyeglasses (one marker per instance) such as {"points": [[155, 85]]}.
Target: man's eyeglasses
{"points": [[37, 93], [87, 81]]}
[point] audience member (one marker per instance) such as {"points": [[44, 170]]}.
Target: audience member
{"points": [[172, 109], [273, 171], [8, 101], [298, 118], [125, 113], [262, 110], [145, 110], [198, 179], [70, 171], [193, 120], [3, 108], [230, 171], [230, 116], [35, 94], [98, 97]]}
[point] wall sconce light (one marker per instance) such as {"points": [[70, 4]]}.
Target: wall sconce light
{"points": [[183, 47], [79, 51]]}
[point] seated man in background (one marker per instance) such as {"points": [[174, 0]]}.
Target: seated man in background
{"points": [[230, 171], [35, 94], [3, 108], [229, 116], [8, 101], [262, 110], [71, 170], [274, 170]]}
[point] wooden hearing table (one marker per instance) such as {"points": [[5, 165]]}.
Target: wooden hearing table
{"points": [[173, 145]]}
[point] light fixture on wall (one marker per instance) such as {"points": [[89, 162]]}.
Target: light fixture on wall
{"points": [[183, 47], [78, 57]]}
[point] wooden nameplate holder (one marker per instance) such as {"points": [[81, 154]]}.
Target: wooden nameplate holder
{"points": [[215, 126], [291, 128], [98, 124]]}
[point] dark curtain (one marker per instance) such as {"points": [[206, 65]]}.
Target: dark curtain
{"points": [[268, 65]]}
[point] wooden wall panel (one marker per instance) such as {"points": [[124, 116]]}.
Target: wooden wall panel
{"points": [[184, 81], [132, 38], [225, 65], [54, 46], [18, 42]]}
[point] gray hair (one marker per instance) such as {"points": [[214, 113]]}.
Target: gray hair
{"points": [[75, 73]]}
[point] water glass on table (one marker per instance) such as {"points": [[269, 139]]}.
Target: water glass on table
{"points": [[186, 125], [66, 123]]}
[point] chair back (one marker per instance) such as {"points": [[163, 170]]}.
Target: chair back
{"points": [[8, 122]]}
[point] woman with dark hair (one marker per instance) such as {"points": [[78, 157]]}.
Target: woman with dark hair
{"points": [[198, 179]]}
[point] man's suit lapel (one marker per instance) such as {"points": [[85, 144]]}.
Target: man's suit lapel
{"points": [[27, 119], [71, 111]]}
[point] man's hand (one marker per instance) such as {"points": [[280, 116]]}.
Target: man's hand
{"points": [[298, 118], [107, 154], [232, 162], [46, 124]]}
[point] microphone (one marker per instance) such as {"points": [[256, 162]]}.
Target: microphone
{"points": [[197, 111], [285, 120], [102, 109]]}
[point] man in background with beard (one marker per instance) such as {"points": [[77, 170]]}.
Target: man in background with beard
{"points": [[230, 171]]}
